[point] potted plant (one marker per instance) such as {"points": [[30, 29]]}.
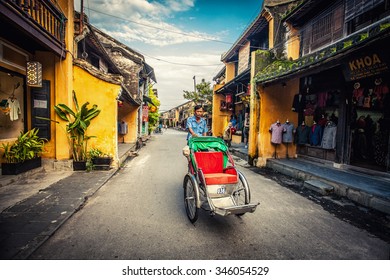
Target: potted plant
{"points": [[99, 159], [24, 154], [78, 122]]}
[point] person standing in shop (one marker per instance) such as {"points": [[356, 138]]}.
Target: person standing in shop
{"points": [[246, 129]]}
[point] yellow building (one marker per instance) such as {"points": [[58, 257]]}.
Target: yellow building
{"points": [[45, 72], [236, 95]]}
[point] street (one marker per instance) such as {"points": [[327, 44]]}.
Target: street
{"points": [[139, 214]]}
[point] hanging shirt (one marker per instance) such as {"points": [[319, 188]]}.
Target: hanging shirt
{"points": [[329, 136], [288, 132], [276, 133], [14, 107]]}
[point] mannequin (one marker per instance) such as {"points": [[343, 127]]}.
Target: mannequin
{"points": [[276, 130], [246, 129], [302, 134], [329, 137], [287, 137], [358, 95], [315, 135], [380, 92]]}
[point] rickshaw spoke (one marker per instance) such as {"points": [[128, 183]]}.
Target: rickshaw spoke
{"points": [[190, 200]]}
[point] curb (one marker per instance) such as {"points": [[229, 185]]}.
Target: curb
{"points": [[359, 196]]}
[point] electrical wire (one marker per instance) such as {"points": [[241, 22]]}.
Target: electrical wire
{"points": [[166, 30], [177, 63]]}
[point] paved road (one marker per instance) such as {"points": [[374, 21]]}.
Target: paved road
{"points": [[139, 214]]}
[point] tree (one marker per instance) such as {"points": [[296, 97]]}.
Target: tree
{"points": [[203, 95], [153, 117]]}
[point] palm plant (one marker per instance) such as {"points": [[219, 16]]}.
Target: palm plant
{"points": [[27, 146], [78, 123]]}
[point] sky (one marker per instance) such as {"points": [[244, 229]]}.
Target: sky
{"points": [[180, 39]]}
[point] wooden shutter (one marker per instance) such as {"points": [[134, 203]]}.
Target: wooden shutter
{"points": [[40, 107]]}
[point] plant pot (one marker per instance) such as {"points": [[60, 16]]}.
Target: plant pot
{"points": [[20, 167], [79, 165], [101, 163]]}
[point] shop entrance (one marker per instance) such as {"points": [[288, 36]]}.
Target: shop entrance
{"points": [[370, 123]]}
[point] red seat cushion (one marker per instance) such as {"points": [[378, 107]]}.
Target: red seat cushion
{"points": [[220, 178], [210, 162]]}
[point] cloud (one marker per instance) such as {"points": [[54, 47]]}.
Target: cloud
{"points": [[173, 79], [150, 28], [161, 34]]}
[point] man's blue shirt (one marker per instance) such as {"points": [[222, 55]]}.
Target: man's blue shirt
{"points": [[198, 127]]}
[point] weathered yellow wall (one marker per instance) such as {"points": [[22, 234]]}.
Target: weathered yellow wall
{"points": [[103, 94], [230, 71], [219, 118], [128, 113], [254, 115], [275, 104], [271, 32], [293, 44], [62, 85]]}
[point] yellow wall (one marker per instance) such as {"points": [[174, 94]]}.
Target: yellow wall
{"points": [[271, 28], [230, 72], [220, 118], [128, 113], [64, 79], [293, 44], [103, 94], [254, 115], [275, 104]]}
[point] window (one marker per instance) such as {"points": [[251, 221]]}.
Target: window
{"points": [[323, 29], [359, 13]]}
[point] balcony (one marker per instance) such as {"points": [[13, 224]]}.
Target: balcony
{"points": [[39, 20], [282, 68]]}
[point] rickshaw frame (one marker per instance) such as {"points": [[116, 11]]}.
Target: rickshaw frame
{"points": [[213, 182]]}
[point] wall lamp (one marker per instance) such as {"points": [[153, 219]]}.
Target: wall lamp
{"points": [[34, 74]]}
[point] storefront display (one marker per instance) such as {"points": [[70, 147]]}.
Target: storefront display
{"points": [[370, 121], [11, 105]]}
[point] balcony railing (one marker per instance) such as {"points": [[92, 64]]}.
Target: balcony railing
{"points": [[280, 68], [42, 15]]}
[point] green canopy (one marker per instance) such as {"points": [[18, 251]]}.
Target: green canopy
{"points": [[208, 143], [205, 143]]}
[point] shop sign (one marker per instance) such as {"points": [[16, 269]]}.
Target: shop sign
{"points": [[366, 65], [145, 113]]}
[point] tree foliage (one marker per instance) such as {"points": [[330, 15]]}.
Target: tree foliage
{"points": [[203, 95], [153, 109]]}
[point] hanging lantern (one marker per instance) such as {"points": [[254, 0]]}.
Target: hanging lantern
{"points": [[34, 74], [228, 98]]}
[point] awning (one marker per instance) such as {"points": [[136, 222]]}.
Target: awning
{"points": [[126, 96], [231, 87], [149, 71], [148, 99]]}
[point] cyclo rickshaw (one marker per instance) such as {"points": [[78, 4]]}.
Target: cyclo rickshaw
{"points": [[212, 182]]}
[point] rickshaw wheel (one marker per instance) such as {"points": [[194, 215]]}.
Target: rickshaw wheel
{"points": [[241, 193], [190, 199]]}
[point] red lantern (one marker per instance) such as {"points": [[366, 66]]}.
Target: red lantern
{"points": [[228, 98]]}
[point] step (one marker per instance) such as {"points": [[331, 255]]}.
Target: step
{"points": [[319, 186]]}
